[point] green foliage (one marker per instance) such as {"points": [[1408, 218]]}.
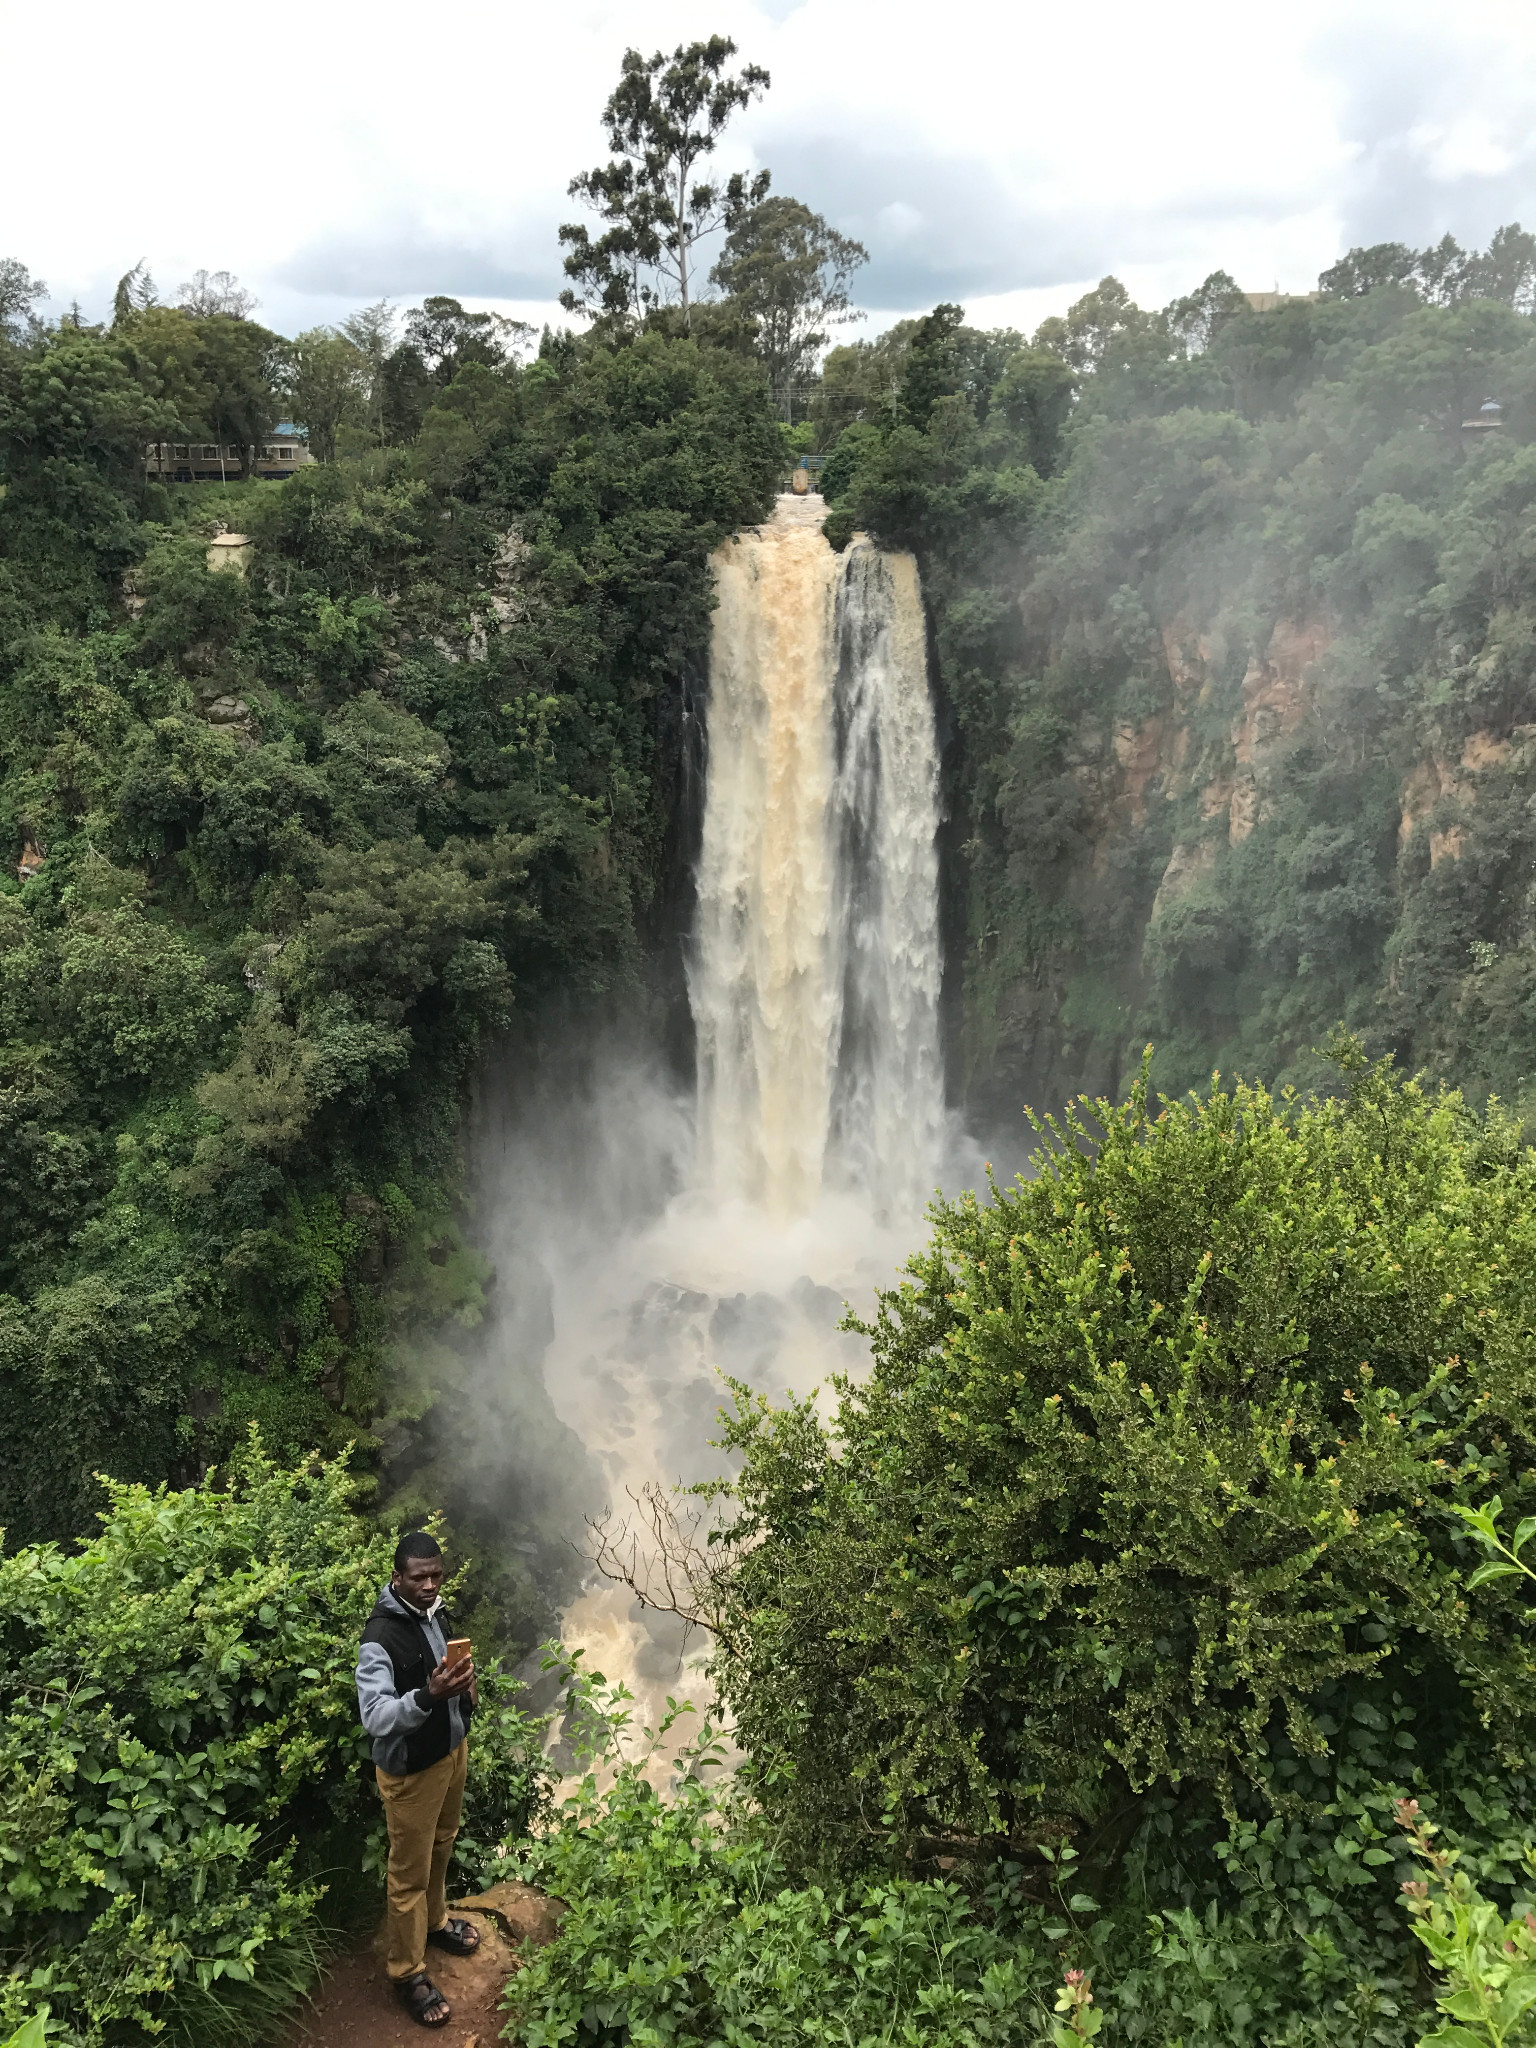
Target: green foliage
{"points": [[1445, 274], [662, 120], [300, 841], [1141, 1534], [1489, 1963], [789, 271], [686, 1921], [506, 1793], [181, 1754], [175, 1689], [1506, 1561], [324, 381], [18, 290], [684, 1925], [134, 997], [240, 366]]}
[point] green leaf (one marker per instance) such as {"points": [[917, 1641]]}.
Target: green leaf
{"points": [[1518, 1994], [1496, 1568], [1465, 2004]]}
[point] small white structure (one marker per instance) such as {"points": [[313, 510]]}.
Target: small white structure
{"points": [[1488, 419], [230, 551]]}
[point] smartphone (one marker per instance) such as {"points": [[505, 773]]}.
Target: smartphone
{"points": [[456, 1650]]}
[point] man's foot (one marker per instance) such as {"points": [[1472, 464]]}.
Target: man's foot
{"points": [[422, 2000], [459, 1937]]}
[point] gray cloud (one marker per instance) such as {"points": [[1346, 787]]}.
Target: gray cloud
{"points": [[1396, 92], [935, 227], [408, 261], [947, 227]]}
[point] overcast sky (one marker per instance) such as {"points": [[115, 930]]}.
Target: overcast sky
{"points": [[1001, 154]]}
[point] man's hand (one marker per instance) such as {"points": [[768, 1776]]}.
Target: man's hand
{"points": [[450, 1682]]}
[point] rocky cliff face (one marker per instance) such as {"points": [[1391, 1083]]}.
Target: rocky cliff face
{"points": [[1236, 772], [1200, 831], [1238, 666]]}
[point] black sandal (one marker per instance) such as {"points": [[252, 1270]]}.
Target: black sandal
{"points": [[423, 2001], [459, 1937]]}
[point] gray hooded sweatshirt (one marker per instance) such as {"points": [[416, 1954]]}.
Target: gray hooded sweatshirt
{"points": [[390, 1716]]}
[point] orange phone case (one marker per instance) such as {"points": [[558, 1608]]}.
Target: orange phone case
{"points": [[455, 1650]]}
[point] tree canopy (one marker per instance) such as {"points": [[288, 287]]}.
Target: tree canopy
{"points": [[663, 119], [298, 841], [789, 272]]}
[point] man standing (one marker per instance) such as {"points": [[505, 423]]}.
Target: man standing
{"points": [[417, 1710]]}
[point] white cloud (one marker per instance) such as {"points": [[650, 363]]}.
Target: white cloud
{"points": [[1001, 155], [898, 222]]}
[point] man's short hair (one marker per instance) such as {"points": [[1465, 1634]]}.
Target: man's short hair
{"points": [[417, 1543]]}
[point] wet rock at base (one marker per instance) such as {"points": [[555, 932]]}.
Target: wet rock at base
{"points": [[523, 1911]]}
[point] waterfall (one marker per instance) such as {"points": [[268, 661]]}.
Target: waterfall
{"points": [[679, 1248], [888, 1104], [815, 977]]}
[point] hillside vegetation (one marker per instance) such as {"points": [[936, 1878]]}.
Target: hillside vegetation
{"points": [[1235, 619], [1111, 1658], [286, 847]]}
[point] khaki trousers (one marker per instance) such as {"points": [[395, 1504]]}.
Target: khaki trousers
{"points": [[422, 1809]]}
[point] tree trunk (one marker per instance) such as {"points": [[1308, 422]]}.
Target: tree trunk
{"points": [[682, 243]]}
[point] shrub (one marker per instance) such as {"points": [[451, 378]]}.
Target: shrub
{"points": [[1489, 1964], [685, 1925], [1144, 1509], [180, 1754]]}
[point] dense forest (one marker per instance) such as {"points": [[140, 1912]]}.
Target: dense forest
{"points": [[1233, 609], [289, 844], [1108, 1625]]}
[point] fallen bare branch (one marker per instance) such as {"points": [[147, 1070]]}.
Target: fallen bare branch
{"points": [[663, 1556]]}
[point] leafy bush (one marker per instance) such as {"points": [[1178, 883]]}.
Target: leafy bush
{"points": [[180, 1756], [1140, 1541], [1489, 1964], [1152, 1478], [685, 1925]]}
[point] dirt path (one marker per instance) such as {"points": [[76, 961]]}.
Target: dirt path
{"points": [[354, 2007]]}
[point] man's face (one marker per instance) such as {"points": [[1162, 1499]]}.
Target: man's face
{"points": [[418, 1580]]}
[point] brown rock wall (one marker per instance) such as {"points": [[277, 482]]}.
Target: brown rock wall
{"points": [[1435, 779]]}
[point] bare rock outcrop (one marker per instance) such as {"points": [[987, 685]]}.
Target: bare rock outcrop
{"points": [[522, 1911]]}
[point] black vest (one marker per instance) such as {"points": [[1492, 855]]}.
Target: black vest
{"points": [[411, 1656]]}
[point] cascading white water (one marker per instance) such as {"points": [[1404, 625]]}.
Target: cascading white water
{"points": [[888, 1106], [815, 981], [764, 985], [819, 1128]]}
